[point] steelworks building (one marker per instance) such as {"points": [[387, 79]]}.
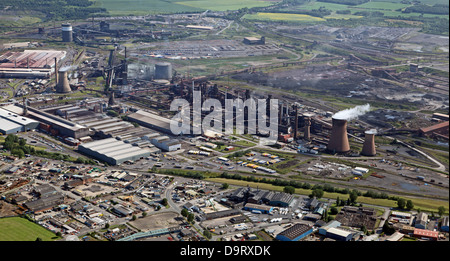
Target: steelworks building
{"points": [[113, 151], [11, 122]]}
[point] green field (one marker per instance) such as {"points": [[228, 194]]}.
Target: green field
{"points": [[21, 229], [390, 8], [143, 7]]}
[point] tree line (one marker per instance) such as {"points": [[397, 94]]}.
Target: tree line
{"points": [[305, 185], [55, 9]]}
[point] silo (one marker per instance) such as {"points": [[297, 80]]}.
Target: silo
{"points": [[66, 32], [339, 141], [163, 71], [369, 144]]}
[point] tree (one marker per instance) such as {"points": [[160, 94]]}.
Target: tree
{"points": [[353, 196], [225, 186], [289, 189], [441, 211], [333, 211], [409, 205], [107, 225], [133, 218], [165, 202], [184, 212], [190, 217], [318, 193], [401, 203], [207, 234]]}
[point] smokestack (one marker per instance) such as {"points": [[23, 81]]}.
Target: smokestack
{"points": [[56, 71], [111, 101], [339, 141], [295, 121], [307, 134], [369, 144], [63, 83], [25, 109]]}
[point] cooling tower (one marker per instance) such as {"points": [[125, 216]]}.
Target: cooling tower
{"points": [[338, 141], [63, 83], [66, 33], [369, 144], [163, 71]]}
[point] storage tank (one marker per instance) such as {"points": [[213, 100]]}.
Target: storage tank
{"points": [[163, 71], [66, 32]]}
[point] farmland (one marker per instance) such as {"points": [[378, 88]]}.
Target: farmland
{"points": [[283, 17], [143, 7]]}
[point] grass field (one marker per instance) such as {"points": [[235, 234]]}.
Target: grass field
{"points": [[388, 7], [21, 229]]}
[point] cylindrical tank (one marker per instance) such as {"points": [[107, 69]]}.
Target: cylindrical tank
{"points": [[369, 144], [66, 32], [163, 71], [339, 141]]}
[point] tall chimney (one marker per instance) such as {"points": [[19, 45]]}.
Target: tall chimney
{"points": [[25, 109], [295, 121], [339, 141], [307, 135], [369, 144], [56, 71]]}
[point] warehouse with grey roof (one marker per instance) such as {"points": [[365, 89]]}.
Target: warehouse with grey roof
{"points": [[113, 151]]}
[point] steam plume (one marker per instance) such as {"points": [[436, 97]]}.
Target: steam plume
{"points": [[352, 113]]}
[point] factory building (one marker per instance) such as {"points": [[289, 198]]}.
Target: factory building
{"points": [[166, 144], [113, 151], [258, 208], [11, 122], [254, 40], [440, 129], [339, 234], [52, 123], [151, 120], [295, 233], [29, 63]]}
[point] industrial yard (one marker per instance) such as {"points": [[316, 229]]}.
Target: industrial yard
{"points": [[87, 123]]}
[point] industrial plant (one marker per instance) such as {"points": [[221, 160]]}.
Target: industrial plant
{"points": [[89, 108]]}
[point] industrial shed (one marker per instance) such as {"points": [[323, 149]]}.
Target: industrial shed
{"points": [[256, 207], [339, 234], [113, 151], [295, 233], [11, 122], [151, 120]]}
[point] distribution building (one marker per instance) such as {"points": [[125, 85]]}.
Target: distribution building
{"points": [[113, 151]]}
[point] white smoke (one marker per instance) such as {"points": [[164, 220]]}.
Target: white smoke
{"points": [[371, 131], [352, 113], [67, 68]]}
